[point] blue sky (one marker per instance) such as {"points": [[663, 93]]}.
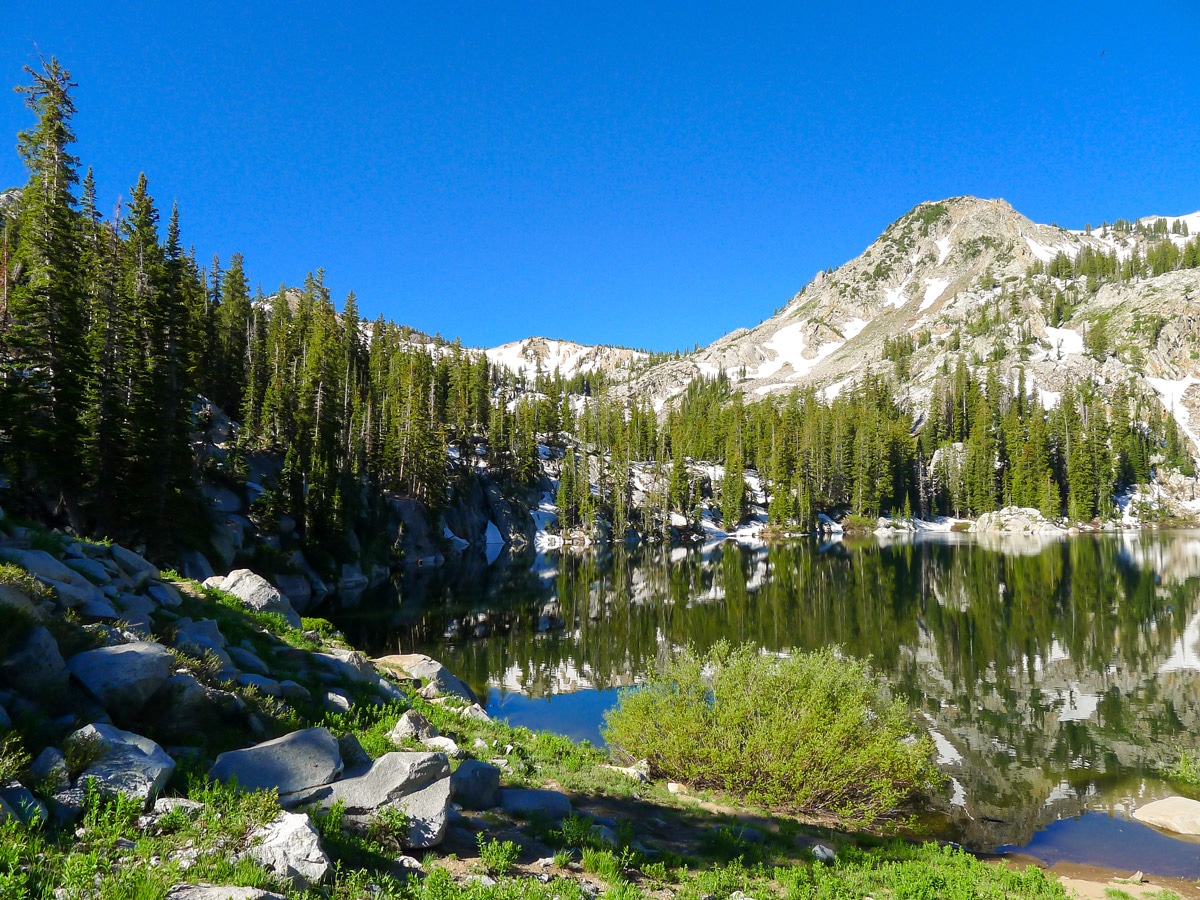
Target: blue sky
{"points": [[622, 173]]}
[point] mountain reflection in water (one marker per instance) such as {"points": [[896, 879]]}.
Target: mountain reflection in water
{"points": [[1056, 676]]}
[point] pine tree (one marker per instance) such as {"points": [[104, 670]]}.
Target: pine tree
{"points": [[44, 336]]}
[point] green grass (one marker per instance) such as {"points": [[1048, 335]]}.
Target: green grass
{"points": [[812, 733], [1186, 769]]}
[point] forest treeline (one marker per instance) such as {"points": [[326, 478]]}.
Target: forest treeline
{"points": [[117, 347]]}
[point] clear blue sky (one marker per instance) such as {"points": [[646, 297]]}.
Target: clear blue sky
{"points": [[608, 172]]}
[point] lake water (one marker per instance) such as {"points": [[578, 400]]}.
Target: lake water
{"points": [[1056, 676]]}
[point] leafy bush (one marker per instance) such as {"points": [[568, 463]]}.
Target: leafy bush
{"points": [[497, 857], [1187, 769], [812, 733]]}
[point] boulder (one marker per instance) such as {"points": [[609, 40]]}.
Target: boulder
{"points": [[295, 762], [195, 566], [70, 595], [1177, 814], [50, 769], [412, 726], [348, 665], [291, 848], [527, 802], [190, 808], [35, 667], [15, 599], [430, 672], [353, 754], [44, 566], [127, 763], [475, 785], [124, 677], [133, 565], [29, 809], [293, 690], [247, 661], [184, 708], [337, 702], [91, 569], [418, 784], [476, 712], [165, 594], [444, 745], [261, 683], [219, 892], [259, 594]]}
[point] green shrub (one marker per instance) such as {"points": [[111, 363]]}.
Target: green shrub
{"points": [[1187, 769], [811, 733], [13, 758], [497, 858]]}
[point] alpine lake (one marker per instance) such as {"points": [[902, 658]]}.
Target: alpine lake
{"points": [[1059, 677]]}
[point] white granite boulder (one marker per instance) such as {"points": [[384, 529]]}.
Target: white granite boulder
{"points": [[123, 677], [126, 763]]}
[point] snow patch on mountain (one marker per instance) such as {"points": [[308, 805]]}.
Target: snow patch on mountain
{"points": [[568, 358], [934, 288], [1171, 393]]}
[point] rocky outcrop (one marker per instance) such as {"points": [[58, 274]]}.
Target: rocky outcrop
{"points": [[1015, 520]]}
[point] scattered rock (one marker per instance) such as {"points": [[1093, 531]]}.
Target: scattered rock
{"points": [[214, 892], [412, 726], [29, 809], [824, 854], [476, 712], [133, 564], [247, 661], [291, 848], [268, 686], [259, 594], [127, 763], [416, 783], [349, 665], [633, 772], [674, 787], [337, 701], [165, 594], [292, 690], [527, 802], [295, 762], [164, 805], [50, 769], [444, 745], [184, 707], [124, 677], [1177, 814], [475, 785]]}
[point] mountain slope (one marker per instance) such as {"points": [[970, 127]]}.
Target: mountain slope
{"points": [[538, 354], [954, 277]]}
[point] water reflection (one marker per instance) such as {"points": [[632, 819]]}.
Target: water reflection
{"points": [[1056, 676]]}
